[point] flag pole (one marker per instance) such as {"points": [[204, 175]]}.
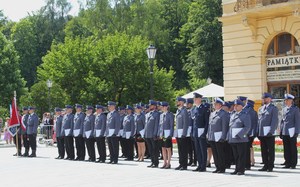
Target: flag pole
{"points": [[17, 142]]}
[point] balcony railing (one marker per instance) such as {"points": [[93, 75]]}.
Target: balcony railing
{"points": [[249, 4]]}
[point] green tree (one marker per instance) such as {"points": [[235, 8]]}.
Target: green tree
{"points": [[25, 42], [113, 68], [39, 97], [10, 77], [203, 35]]}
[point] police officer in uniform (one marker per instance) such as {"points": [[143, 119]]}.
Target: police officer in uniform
{"points": [[139, 120], [58, 119], [252, 132], [191, 146], [182, 125], [122, 140], [151, 133], [237, 136], [99, 132], [128, 133], [67, 132], [166, 130], [200, 116], [267, 124], [24, 133], [33, 122], [217, 133], [289, 131], [113, 127], [88, 133], [78, 132]]}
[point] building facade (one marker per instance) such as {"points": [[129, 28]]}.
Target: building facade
{"points": [[261, 48]]}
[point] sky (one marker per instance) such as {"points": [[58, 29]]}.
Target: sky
{"points": [[18, 9]]}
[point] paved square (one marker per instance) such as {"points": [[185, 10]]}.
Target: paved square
{"points": [[46, 171]]}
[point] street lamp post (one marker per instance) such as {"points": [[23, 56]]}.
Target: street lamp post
{"points": [[151, 52], [49, 85]]}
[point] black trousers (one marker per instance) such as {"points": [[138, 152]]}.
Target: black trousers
{"points": [[228, 157], [101, 148], [290, 151], [80, 147], [267, 145], [26, 142], [123, 146], [18, 146], [248, 153], [32, 141], [113, 146], [218, 150], [183, 144], [61, 146], [153, 147], [239, 153], [129, 148], [69, 144], [201, 152], [191, 151], [90, 145]]}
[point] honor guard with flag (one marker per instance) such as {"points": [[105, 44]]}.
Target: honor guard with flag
{"points": [[33, 122], [289, 131], [24, 123], [14, 126]]}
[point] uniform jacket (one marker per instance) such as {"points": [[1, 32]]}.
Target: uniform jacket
{"points": [[78, 122], [218, 122], [291, 119], [200, 116], [67, 124], [166, 122], [33, 122], [100, 124], [58, 126], [152, 125], [182, 120], [254, 120], [113, 122], [239, 120], [25, 123], [268, 117], [88, 125], [139, 121], [128, 125]]}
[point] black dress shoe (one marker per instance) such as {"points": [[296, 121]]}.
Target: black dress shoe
{"points": [[263, 169], [163, 167], [57, 157], [286, 167], [66, 158], [71, 159], [61, 157], [240, 173], [178, 168], [150, 166], [248, 168], [193, 165], [129, 159], [270, 170], [183, 169], [154, 166], [216, 171], [283, 164], [293, 167], [234, 173], [202, 170], [221, 171], [114, 163], [208, 165], [195, 170]]}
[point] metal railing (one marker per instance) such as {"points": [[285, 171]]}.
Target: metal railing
{"points": [[249, 4]]}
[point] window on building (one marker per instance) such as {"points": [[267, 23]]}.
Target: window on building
{"points": [[283, 44]]}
